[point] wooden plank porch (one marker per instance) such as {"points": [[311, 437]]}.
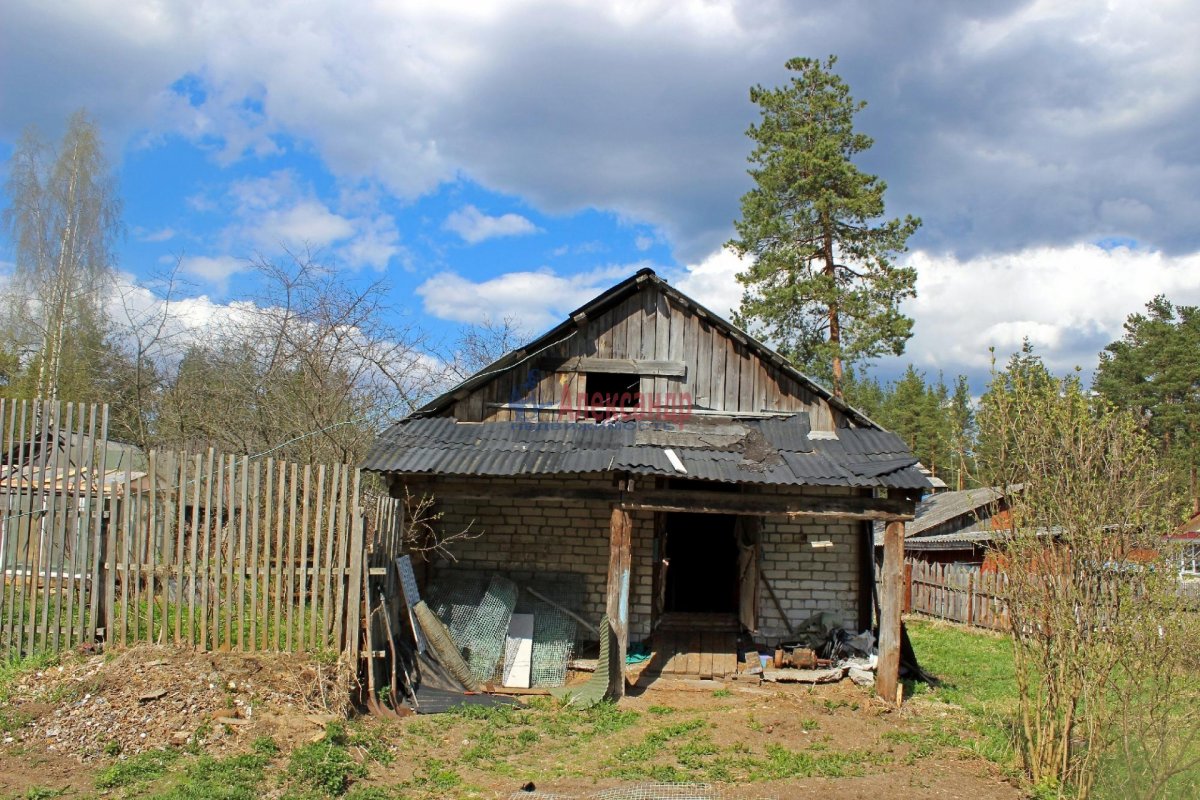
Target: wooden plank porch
{"points": [[695, 646]]}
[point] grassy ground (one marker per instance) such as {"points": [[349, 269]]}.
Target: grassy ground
{"points": [[768, 741], [975, 673]]}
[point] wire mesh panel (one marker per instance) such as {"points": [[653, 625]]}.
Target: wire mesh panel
{"points": [[553, 642], [457, 597], [481, 636]]}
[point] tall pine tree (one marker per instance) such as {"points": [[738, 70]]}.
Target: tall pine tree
{"points": [[822, 286], [1154, 369]]}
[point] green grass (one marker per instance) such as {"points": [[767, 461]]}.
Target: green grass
{"points": [[10, 672], [976, 673], [141, 768], [39, 793], [134, 623], [234, 778], [326, 766], [685, 751]]}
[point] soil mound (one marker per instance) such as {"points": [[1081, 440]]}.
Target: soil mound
{"points": [[149, 697]]}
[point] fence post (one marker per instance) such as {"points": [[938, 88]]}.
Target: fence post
{"points": [[971, 598]]}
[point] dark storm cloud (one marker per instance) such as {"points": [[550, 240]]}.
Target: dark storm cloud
{"points": [[1004, 125]]}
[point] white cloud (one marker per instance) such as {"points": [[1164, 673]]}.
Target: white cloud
{"points": [[711, 282], [1068, 301], [279, 212], [535, 299], [474, 226], [160, 235], [1006, 127], [309, 221], [216, 270]]}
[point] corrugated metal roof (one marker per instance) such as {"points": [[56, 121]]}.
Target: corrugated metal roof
{"points": [[969, 506], [772, 451], [942, 507]]}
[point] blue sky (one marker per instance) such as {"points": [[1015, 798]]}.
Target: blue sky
{"points": [[513, 159]]}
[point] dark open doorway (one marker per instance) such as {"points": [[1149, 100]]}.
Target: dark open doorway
{"points": [[701, 569]]}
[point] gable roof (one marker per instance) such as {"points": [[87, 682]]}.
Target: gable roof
{"points": [[940, 508], [968, 505], [752, 451], [612, 296]]}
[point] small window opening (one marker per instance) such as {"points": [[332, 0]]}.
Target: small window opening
{"points": [[611, 389]]}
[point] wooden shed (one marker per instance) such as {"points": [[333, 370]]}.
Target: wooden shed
{"points": [[684, 476]]}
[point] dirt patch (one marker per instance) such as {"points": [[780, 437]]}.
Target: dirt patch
{"points": [[150, 697], [750, 741]]}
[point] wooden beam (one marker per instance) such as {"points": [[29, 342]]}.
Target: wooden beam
{"points": [[570, 411], [887, 678], [627, 366], [842, 507], [888, 509], [620, 561]]}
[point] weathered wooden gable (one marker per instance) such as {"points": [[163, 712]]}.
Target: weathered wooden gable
{"points": [[681, 355]]}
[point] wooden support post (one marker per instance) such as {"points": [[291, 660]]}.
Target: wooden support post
{"points": [[617, 599], [907, 587], [890, 601]]}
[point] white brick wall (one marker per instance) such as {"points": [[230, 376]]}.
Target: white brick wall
{"points": [[808, 580], [521, 538]]}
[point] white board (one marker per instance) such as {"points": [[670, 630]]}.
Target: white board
{"points": [[518, 652]]}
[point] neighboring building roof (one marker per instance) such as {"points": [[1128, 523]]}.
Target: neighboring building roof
{"points": [[940, 508], [968, 506], [951, 541], [1188, 530], [611, 297], [767, 451]]}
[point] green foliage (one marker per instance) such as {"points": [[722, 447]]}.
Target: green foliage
{"points": [[1154, 371], [370, 793], [437, 776], [141, 768], [265, 746], [935, 422], [823, 286], [1093, 598], [40, 793]]}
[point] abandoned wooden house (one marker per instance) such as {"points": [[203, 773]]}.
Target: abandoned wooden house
{"points": [[684, 477]]}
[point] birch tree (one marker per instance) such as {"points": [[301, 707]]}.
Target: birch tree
{"points": [[63, 222]]}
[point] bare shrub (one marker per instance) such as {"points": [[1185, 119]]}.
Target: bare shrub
{"points": [[1100, 638]]}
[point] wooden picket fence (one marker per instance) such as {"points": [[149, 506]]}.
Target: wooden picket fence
{"points": [[229, 553], [53, 517], [102, 543], [955, 592]]}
